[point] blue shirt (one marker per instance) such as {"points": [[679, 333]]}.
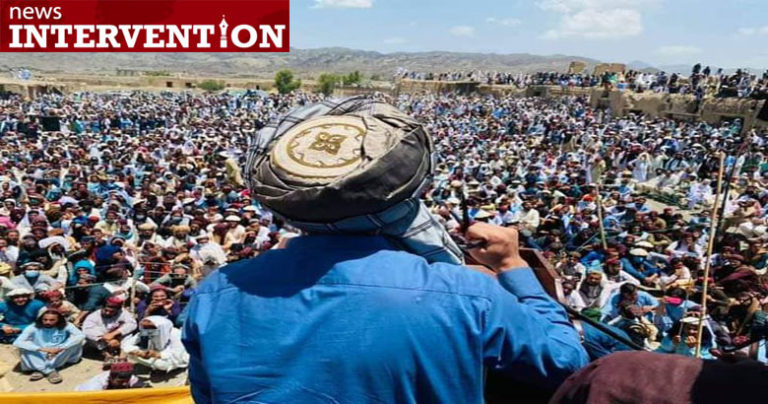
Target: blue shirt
{"points": [[351, 320], [611, 308], [19, 316], [599, 344]]}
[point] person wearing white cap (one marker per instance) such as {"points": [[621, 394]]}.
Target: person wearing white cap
{"points": [[236, 230], [17, 312], [638, 266], [33, 279], [9, 204], [210, 254]]}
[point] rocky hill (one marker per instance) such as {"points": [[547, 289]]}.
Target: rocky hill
{"points": [[305, 62]]}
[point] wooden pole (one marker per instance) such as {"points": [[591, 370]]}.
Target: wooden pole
{"points": [[707, 262], [135, 277], [600, 217]]}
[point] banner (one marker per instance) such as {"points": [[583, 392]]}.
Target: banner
{"points": [[144, 25], [171, 395]]}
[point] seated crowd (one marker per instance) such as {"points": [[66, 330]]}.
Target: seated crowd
{"points": [[108, 226]]}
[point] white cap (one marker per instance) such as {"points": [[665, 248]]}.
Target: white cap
{"points": [[638, 252], [20, 292], [644, 244], [483, 214]]}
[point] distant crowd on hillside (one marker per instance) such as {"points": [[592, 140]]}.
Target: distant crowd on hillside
{"points": [[701, 81]]}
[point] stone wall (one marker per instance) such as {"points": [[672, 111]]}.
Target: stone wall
{"points": [[711, 110], [610, 68]]}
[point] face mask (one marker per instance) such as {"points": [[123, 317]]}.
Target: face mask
{"points": [[140, 217], [32, 274], [675, 301], [149, 332]]}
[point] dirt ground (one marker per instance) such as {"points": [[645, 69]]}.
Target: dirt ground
{"points": [[73, 375]]}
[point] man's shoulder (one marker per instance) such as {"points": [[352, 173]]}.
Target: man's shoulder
{"points": [[384, 269]]}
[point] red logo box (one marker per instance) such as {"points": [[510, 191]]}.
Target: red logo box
{"points": [[144, 26]]}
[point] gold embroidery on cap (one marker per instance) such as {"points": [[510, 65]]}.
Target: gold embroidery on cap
{"points": [[322, 150], [325, 142]]}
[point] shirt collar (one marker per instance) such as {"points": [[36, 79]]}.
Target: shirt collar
{"points": [[340, 242]]}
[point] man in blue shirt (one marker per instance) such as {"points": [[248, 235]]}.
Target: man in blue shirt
{"points": [[350, 319], [372, 305]]}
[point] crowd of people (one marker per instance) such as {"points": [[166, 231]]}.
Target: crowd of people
{"points": [[700, 82], [109, 223]]}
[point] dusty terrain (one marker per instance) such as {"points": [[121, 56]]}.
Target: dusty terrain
{"points": [[73, 375]]}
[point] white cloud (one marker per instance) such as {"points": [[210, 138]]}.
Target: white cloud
{"points": [[750, 31], [596, 19], [507, 22], [573, 6], [343, 4], [462, 30], [598, 24], [678, 50], [395, 41]]}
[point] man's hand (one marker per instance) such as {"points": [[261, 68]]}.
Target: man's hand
{"points": [[499, 250], [648, 309], [138, 354], [10, 330], [690, 341], [51, 352]]}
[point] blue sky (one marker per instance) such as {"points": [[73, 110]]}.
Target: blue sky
{"points": [[726, 33]]}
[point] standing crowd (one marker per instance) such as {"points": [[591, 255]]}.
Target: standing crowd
{"points": [[109, 222], [700, 82]]}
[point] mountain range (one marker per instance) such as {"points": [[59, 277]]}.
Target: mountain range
{"points": [[306, 63]]}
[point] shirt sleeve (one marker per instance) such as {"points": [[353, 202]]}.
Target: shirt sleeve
{"points": [[174, 356], [25, 340], [527, 335], [163, 280], [91, 327], [128, 344], [76, 337], [129, 324], [198, 376]]}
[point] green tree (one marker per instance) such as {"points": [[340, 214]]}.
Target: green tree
{"points": [[327, 82], [285, 83], [353, 78], [211, 85]]}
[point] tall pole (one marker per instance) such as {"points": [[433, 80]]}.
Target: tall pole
{"points": [[600, 217], [731, 173], [708, 262]]}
